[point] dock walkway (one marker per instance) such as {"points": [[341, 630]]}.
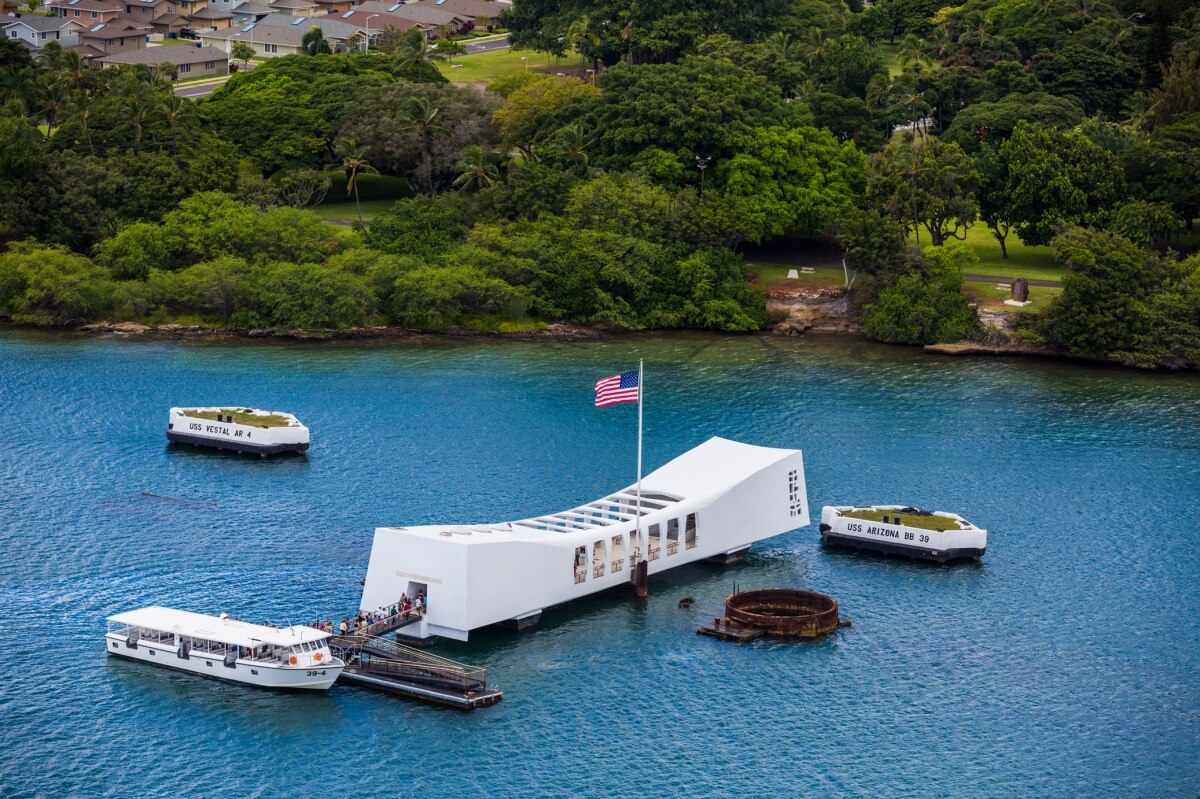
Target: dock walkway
{"points": [[374, 662]]}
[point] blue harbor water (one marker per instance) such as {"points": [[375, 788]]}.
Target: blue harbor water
{"points": [[1066, 664]]}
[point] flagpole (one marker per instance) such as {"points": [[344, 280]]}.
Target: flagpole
{"points": [[639, 459]]}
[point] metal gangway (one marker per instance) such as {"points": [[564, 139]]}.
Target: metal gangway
{"points": [[377, 662]]}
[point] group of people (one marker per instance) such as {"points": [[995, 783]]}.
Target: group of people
{"points": [[361, 623]]}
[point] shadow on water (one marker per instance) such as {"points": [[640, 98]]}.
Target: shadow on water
{"points": [[150, 685]]}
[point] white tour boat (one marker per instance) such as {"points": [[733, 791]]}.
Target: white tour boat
{"points": [[711, 502], [901, 530], [218, 646], [238, 429]]}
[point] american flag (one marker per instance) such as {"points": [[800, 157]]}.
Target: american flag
{"points": [[617, 389]]}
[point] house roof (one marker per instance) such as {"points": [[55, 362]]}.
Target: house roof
{"points": [[84, 5], [379, 21], [291, 36], [169, 19], [86, 50], [426, 15], [40, 24], [253, 8], [470, 8], [329, 24], [291, 4], [173, 54], [114, 30], [212, 13]]}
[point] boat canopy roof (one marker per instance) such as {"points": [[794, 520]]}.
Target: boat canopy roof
{"points": [[214, 628]]}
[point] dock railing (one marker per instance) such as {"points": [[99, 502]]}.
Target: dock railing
{"points": [[383, 656]]}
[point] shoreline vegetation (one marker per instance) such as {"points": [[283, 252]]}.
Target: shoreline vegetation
{"points": [[552, 332], [627, 177]]}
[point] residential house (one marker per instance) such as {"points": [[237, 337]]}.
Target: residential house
{"points": [[375, 23], [295, 8], [86, 12], [211, 18], [115, 37], [245, 13], [333, 6], [189, 62], [435, 21], [36, 31], [277, 40], [485, 14]]}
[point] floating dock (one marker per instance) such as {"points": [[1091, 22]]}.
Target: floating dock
{"points": [[384, 665]]}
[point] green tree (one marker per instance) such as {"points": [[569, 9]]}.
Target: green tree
{"points": [[45, 284], [793, 179], [1108, 282], [313, 42], [242, 51], [1057, 178], [926, 308], [308, 296], [475, 169], [354, 163], [522, 116], [931, 185], [993, 202]]}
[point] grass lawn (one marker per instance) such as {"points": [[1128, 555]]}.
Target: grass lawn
{"points": [[1023, 260], [173, 41], [241, 418], [891, 58], [486, 67], [907, 519], [992, 298], [775, 276], [347, 211]]}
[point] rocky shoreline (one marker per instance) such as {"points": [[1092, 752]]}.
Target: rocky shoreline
{"points": [[557, 331]]}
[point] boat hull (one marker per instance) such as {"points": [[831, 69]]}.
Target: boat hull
{"points": [[234, 436], [316, 678], [917, 553], [957, 539], [236, 446]]}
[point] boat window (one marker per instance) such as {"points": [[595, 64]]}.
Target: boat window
{"points": [[672, 529]]}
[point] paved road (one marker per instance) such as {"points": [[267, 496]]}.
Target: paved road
{"points": [[195, 92], [486, 47], [1050, 284]]}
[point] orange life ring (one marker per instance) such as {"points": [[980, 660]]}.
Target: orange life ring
{"points": [[318, 657], [292, 660]]}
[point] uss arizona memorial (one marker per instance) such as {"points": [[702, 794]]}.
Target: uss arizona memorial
{"points": [[713, 501]]}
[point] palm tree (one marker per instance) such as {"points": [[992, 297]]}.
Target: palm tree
{"points": [[52, 92], [879, 89], [413, 51], [354, 163], [580, 35], [177, 113], [815, 44], [141, 112], [420, 115], [572, 143], [74, 67], [164, 71], [51, 57], [81, 108], [913, 52], [314, 42], [475, 169], [782, 46]]}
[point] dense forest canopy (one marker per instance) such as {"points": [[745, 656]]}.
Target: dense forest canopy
{"points": [[621, 193]]}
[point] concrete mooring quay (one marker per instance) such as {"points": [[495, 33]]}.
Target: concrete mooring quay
{"points": [[786, 612]]}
